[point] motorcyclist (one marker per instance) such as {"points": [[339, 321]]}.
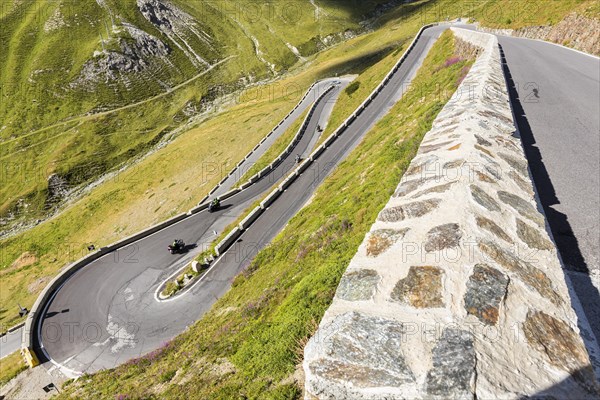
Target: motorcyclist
{"points": [[297, 158]]}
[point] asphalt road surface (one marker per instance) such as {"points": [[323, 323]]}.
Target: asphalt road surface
{"points": [[107, 312], [555, 93], [10, 342]]}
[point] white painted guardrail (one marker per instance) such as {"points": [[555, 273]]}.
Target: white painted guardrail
{"points": [[293, 143]]}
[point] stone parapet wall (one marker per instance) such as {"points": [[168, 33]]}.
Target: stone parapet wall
{"points": [[457, 291]]}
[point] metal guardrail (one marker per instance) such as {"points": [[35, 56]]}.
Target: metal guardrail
{"points": [[222, 246]]}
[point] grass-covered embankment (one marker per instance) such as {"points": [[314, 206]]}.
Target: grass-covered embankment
{"points": [[250, 344], [10, 366]]}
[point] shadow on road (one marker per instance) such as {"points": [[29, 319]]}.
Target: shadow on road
{"points": [[53, 313], [566, 242]]}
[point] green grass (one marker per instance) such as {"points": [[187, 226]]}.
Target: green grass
{"points": [[278, 146], [251, 341], [517, 14], [11, 366]]}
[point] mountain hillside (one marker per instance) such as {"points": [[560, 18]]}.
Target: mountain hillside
{"points": [[68, 67]]}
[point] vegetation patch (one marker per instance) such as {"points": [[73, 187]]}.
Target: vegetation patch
{"points": [[11, 366], [186, 278]]}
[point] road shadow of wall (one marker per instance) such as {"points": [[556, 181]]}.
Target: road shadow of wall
{"points": [[571, 257]]}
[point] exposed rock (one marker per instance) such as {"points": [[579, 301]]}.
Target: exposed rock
{"points": [[433, 147], [522, 206], [527, 273], [407, 187], [361, 349], [56, 21], [532, 236], [453, 375], [561, 345], [524, 185], [58, 188], [492, 227], [574, 30], [180, 27], [382, 239], [484, 199], [435, 189], [358, 285], [443, 237], [486, 290], [422, 288], [519, 165], [482, 142], [135, 56], [410, 210]]}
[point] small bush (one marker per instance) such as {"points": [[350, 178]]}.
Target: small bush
{"points": [[170, 289], [351, 88], [167, 376]]}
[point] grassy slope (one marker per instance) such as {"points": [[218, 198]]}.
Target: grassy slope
{"points": [[10, 367], [257, 330], [491, 13]]}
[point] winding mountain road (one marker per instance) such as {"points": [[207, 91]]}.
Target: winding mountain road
{"points": [[107, 313]]}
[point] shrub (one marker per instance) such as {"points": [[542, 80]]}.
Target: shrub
{"points": [[353, 87]]}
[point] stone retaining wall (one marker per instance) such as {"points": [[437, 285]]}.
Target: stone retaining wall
{"points": [[457, 291]]}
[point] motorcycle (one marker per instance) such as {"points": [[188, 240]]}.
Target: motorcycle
{"points": [[214, 205], [176, 247]]}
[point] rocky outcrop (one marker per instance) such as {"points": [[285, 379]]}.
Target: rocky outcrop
{"points": [[137, 51], [457, 291], [181, 28], [576, 31]]}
